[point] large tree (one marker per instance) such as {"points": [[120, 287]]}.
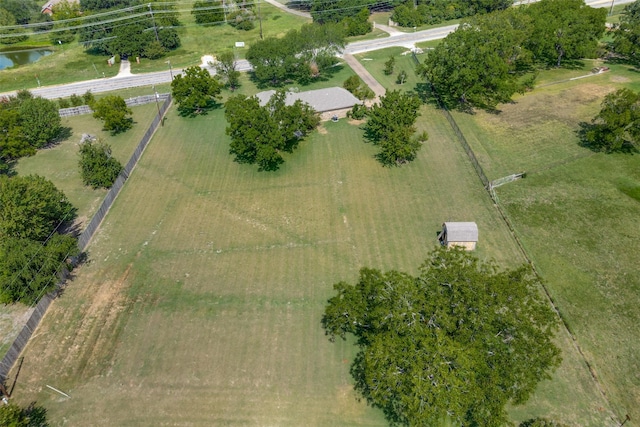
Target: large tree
{"points": [[301, 54], [142, 30], [617, 126], [408, 13], [40, 121], [626, 38], [29, 269], [22, 10], [96, 5], [65, 12], [457, 342], [31, 207], [259, 134], [391, 126], [9, 35], [26, 124], [13, 143], [226, 69], [12, 415], [326, 11], [208, 12], [479, 64], [113, 111], [564, 30], [195, 91], [98, 167]]}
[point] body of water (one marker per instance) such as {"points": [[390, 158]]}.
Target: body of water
{"points": [[21, 57]]}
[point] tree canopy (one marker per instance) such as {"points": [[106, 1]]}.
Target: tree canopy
{"points": [[113, 111], [617, 126], [29, 269], [226, 69], [259, 134], [457, 342], [31, 207], [144, 30], [98, 167], [480, 63], [195, 91], [32, 252], [391, 126], [40, 121], [300, 55], [26, 124], [435, 11], [12, 415], [626, 38], [334, 11], [209, 12], [564, 30]]}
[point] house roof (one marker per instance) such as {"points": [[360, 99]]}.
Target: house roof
{"points": [[48, 6], [321, 100], [461, 231]]}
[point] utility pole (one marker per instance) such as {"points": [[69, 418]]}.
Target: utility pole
{"points": [[611, 9], [170, 70], [260, 18], [154, 22], [157, 105]]}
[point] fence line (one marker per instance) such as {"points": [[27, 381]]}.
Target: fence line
{"points": [[496, 202], [40, 309], [131, 102], [93, 225]]}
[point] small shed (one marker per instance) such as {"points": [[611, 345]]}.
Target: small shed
{"points": [[463, 234]]}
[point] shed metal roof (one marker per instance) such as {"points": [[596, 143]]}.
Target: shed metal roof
{"points": [[321, 100], [461, 231]]}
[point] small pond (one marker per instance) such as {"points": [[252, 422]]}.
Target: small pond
{"points": [[21, 57]]}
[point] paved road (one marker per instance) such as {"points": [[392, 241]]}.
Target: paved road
{"points": [[128, 81]]}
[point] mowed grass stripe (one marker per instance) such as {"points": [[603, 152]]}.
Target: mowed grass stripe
{"points": [[216, 291]]}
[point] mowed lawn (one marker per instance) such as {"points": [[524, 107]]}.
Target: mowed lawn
{"points": [[60, 162], [576, 213], [60, 165], [202, 297]]}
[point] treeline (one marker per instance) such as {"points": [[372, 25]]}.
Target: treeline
{"points": [[490, 57], [27, 123], [32, 209], [240, 15], [135, 29], [15, 13], [300, 55], [413, 13], [119, 27]]}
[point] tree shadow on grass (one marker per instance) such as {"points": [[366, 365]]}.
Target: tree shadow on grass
{"points": [[593, 137]]}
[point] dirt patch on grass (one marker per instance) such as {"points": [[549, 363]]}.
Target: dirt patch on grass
{"points": [[91, 330], [543, 107], [322, 130], [619, 79], [356, 122]]}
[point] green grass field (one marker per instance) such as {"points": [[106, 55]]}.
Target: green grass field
{"points": [[576, 214], [201, 300], [196, 41], [375, 61], [60, 163]]}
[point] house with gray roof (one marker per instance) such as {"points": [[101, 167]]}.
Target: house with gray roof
{"points": [[327, 102], [464, 234]]}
